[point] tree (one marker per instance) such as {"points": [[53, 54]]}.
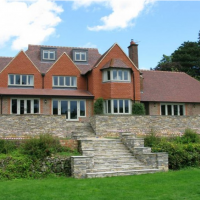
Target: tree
{"points": [[166, 64], [185, 59], [188, 56]]}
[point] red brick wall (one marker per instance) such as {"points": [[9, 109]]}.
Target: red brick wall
{"points": [[114, 90], [64, 67], [21, 65]]}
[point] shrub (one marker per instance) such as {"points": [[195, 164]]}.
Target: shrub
{"points": [[138, 109], [98, 106], [190, 136], [7, 146], [41, 147]]}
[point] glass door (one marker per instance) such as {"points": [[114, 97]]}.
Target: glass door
{"points": [[73, 110]]}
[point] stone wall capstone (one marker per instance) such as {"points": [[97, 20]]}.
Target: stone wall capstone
{"points": [[112, 125]]}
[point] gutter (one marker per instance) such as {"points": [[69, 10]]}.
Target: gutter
{"points": [[43, 75], [1, 103], [134, 87]]}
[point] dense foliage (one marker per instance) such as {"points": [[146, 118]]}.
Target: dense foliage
{"points": [[185, 59], [138, 109], [183, 151], [98, 106], [27, 159]]}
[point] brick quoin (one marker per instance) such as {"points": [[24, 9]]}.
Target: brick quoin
{"points": [[64, 67], [21, 65], [111, 89]]}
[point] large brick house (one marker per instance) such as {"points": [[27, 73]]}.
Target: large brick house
{"points": [[66, 81]]}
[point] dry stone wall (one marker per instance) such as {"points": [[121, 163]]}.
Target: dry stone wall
{"points": [[113, 125]]}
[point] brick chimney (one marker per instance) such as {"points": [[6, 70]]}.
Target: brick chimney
{"points": [[133, 52]]}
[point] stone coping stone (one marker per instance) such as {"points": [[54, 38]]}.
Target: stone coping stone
{"points": [[88, 149]]}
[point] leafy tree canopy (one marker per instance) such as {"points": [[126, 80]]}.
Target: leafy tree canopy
{"points": [[185, 59]]}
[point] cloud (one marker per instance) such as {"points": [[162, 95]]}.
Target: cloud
{"points": [[123, 12], [89, 45], [24, 22]]}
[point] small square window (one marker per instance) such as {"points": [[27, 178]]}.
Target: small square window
{"points": [[48, 55]]}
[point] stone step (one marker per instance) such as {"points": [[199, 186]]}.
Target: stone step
{"points": [[114, 169], [119, 165], [120, 173]]}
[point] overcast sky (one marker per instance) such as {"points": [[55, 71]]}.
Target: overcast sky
{"points": [[159, 27]]}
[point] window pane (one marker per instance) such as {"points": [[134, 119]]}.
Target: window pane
{"points": [[73, 81], [115, 106], [73, 109], [169, 109], [45, 54], [121, 110], [64, 108], [120, 74], [17, 79], [67, 81], [163, 110], [52, 53], [30, 80], [114, 74], [108, 75], [11, 79], [61, 81], [126, 106], [175, 109], [109, 106], [28, 106], [181, 110], [24, 79], [83, 56], [36, 106], [55, 107], [14, 106], [77, 56], [82, 108], [55, 80], [126, 75]]}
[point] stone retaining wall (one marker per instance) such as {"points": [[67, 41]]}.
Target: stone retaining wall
{"points": [[112, 125], [32, 125]]}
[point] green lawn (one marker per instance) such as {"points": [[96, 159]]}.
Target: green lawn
{"points": [[173, 185]]}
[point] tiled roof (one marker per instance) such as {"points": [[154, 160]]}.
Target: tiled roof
{"points": [[4, 61], [163, 86], [45, 92], [33, 53], [115, 63]]}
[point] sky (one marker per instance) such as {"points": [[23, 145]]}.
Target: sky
{"points": [[157, 26]]}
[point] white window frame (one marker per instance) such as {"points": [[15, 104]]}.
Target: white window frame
{"points": [[20, 84], [64, 85], [68, 100], [80, 53], [105, 78], [172, 108], [48, 52], [112, 106], [25, 105]]}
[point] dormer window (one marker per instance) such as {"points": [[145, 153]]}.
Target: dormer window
{"points": [[48, 55], [80, 55]]}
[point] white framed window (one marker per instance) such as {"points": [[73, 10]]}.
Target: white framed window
{"points": [[64, 81], [117, 75], [117, 106], [20, 80], [80, 56], [72, 108], [25, 106], [48, 55], [172, 109]]}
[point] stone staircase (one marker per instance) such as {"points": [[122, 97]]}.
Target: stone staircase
{"points": [[111, 158]]}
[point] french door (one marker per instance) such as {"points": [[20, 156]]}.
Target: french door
{"points": [[73, 109], [25, 106]]}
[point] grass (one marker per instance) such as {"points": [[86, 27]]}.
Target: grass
{"points": [[173, 185]]}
